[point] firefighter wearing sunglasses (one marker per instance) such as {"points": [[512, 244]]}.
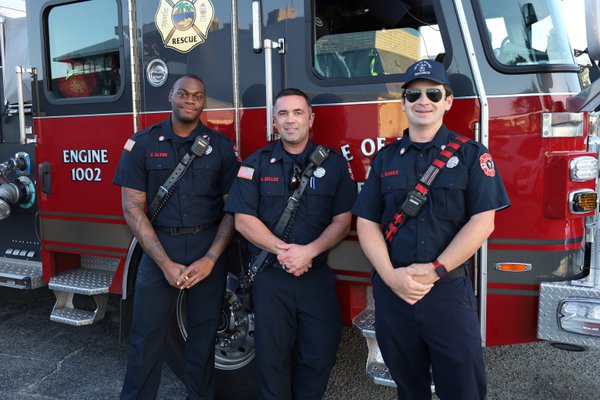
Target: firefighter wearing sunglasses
{"points": [[436, 194]]}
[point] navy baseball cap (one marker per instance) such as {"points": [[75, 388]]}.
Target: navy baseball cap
{"points": [[426, 69]]}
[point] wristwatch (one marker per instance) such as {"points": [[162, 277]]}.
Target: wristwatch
{"points": [[440, 269]]}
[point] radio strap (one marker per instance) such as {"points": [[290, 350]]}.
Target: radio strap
{"points": [[168, 187], [316, 159], [416, 199]]}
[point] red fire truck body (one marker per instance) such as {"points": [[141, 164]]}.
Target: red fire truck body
{"points": [[102, 69]]}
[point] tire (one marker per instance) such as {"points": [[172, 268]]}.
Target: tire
{"points": [[235, 370]]}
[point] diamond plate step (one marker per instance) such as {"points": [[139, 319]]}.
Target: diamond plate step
{"points": [[20, 274], [376, 369], [365, 323], [83, 281]]}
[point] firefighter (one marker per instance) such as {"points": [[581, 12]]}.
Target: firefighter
{"points": [[297, 315], [182, 245], [425, 310]]}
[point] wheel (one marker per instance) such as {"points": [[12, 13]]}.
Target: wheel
{"points": [[235, 375]]}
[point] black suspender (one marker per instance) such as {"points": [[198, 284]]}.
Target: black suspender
{"points": [[316, 158], [416, 199], [166, 189]]}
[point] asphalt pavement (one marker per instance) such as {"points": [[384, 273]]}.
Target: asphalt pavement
{"points": [[44, 360]]}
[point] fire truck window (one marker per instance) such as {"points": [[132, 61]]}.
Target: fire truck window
{"points": [[354, 39], [527, 33], [83, 46]]}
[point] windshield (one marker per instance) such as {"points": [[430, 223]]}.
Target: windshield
{"points": [[524, 33]]}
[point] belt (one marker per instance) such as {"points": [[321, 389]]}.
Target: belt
{"points": [[185, 230]]}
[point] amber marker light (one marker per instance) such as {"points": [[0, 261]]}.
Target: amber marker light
{"points": [[512, 267]]}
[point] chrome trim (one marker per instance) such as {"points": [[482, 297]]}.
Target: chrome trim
{"points": [[270, 45], [559, 125], [235, 56], [480, 89], [134, 64]]}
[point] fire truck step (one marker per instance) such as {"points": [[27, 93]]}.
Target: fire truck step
{"points": [[365, 323], [376, 369], [81, 281], [20, 274]]}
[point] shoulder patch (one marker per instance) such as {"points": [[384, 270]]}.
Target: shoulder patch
{"points": [[129, 144], [245, 172], [487, 165]]}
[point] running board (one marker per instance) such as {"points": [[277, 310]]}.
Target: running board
{"points": [[83, 281], [376, 369], [20, 274]]}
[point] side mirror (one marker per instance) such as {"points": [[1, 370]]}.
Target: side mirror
{"points": [[592, 27]]}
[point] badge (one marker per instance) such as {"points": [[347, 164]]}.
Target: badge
{"points": [[272, 161], [402, 151], [208, 150], [452, 162], [319, 172], [443, 147], [487, 165]]}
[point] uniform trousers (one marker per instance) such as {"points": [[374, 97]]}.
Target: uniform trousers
{"points": [[153, 312], [297, 332], [441, 332]]}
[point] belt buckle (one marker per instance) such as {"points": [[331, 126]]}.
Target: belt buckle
{"points": [[173, 230]]}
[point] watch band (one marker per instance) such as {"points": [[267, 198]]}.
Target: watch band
{"points": [[439, 268]]}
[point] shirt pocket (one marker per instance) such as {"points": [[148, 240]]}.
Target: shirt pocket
{"points": [[205, 177], [159, 169], [448, 194], [394, 189], [272, 201], [320, 198]]}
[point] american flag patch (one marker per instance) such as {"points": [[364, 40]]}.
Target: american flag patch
{"points": [[129, 144], [245, 172]]}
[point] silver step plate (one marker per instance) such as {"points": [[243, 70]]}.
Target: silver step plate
{"points": [[20, 274], [86, 281]]}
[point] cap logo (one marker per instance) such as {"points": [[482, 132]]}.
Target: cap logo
{"points": [[422, 68]]}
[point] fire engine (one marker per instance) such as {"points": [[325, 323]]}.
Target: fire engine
{"points": [[79, 77]]}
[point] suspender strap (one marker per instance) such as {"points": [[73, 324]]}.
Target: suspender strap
{"points": [[168, 187], [416, 199], [316, 158]]}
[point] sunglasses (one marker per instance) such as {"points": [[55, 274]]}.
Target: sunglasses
{"points": [[433, 94]]}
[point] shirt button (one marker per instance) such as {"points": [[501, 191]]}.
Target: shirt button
{"points": [[422, 219], [422, 242], [183, 197], [421, 155]]}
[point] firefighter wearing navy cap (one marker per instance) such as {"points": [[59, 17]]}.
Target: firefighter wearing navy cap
{"points": [[297, 316], [183, 243], [425, 310]]}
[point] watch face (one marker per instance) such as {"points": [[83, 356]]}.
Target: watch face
{"points": [[441, 271]]}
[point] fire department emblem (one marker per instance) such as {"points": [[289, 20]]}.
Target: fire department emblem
{"points": [[184, 24], [487, 165]]}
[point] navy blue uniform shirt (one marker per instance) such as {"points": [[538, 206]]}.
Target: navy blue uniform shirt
{"points": [[152, 154], [468, 185], [262, 189]]}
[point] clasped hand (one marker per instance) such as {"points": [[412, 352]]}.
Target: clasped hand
{"points": [[411, 283]]}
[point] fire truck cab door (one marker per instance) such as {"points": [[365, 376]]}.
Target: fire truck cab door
{"points": [[84, 117]]}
